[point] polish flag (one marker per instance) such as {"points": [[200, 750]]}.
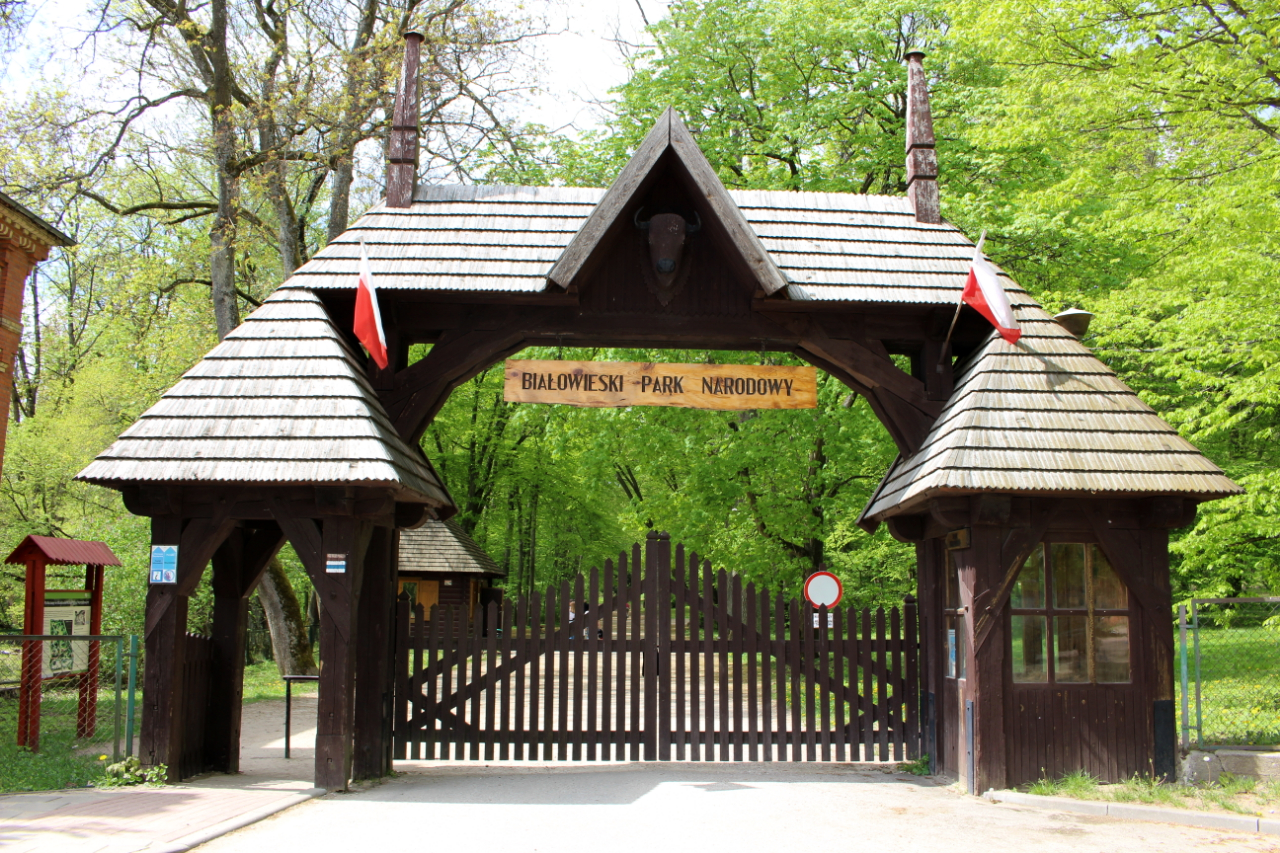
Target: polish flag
{"points": [[368, 322], [984, 293]]}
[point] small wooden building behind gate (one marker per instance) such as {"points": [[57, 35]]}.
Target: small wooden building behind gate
{"points": [[441, 564], [1038, 489]]}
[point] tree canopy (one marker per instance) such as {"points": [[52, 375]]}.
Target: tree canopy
{"points": [[1121, 157]]}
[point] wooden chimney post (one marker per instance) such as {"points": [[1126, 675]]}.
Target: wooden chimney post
{"points": [[402, 147], [922, 159]]}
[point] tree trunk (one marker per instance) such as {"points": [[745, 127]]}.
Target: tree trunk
{"points": [[222, 255], [284, 620]]}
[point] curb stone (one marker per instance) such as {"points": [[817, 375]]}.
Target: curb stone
{"points": [[209, 833], [1125, 811]]}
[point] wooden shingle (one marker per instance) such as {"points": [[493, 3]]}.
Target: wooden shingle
{"points": [[1045, 416], [281, 400], [444, 547]]}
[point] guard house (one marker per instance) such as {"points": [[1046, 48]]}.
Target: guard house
{"points": [[1038, 490], [441, 564]]}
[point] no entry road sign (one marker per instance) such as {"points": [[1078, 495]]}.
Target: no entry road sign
{"points": [[823, 588]]}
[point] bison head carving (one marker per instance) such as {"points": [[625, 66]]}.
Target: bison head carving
{"points": [[666, 235]]}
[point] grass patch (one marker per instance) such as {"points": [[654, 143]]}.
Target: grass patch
{"points": [[1240, 684], [919, 767], [1236, 794], [57, 765], [262, 681]]}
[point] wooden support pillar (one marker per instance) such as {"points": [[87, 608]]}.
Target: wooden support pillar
{"points": [[87, 713], [981, 573], [238, 565], [930, 592], [160, 741], [342, 541], [375, 658], [32, 657], [1158, 626]]}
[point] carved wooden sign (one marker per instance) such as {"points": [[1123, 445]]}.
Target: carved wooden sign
{"points": [[727, 387]]}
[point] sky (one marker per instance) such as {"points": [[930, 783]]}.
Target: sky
{"points": [[580, 61]]}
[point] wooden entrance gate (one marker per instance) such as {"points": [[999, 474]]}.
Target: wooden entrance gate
{"points": [[669, 660]]}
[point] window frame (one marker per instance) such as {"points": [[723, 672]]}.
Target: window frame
{"points": [[1049, 611]]}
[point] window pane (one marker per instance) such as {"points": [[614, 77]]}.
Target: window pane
{"points": [[1070, 641], [1111, 648], [1028, 590], [953, 582], [1029, 635], [955, 662], [1109, 592], [1068, 574], [951, 647]]}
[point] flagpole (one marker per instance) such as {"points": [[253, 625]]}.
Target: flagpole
{"points": [[942, 356]]}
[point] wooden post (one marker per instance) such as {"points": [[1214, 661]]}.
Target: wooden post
{"points": [[87, 713], [922, 160], [163, 717], [339, 545], [375, 656], [985, 682], [1158, 626], [402, 146], [238, 566], [32, 657]]}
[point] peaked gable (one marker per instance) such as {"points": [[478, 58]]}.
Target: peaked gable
{"points": [[668, 138]]}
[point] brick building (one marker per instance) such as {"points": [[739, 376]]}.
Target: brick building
{"points": [[25, 240]]}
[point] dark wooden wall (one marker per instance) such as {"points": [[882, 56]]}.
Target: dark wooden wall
{"points": [[1024, 732]]}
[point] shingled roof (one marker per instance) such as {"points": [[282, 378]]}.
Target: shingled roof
{"points": [[281, 400], [443, 546], [830, 246], [1046, 416]]}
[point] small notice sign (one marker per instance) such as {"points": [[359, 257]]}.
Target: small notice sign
{"points": [[602, 384], [164, 564], [335, 564]]}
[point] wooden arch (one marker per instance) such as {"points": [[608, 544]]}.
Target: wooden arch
{"points": [[735, 298]]}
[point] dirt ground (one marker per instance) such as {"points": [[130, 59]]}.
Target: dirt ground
{"points": [[667, 808]]}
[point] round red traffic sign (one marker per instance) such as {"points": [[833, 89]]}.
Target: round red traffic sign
{"points": [[823, 588]]}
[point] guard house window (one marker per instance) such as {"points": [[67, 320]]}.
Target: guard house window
{"points": [[954, 618], [1069, 618]]}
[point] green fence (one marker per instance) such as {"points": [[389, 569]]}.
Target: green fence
{"points": [[66, 707], [1229, 661]]}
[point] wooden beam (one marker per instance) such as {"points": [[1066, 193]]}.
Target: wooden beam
{"points": [[375, 658], [163, 711], [238, 565], [316, 546], [729, 216], [1018, 545], [625, 187]]}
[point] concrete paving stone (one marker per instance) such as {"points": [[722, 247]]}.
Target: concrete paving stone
{"points": [[1211, 820], [1065, 804]]}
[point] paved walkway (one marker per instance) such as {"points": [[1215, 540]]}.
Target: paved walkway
{"points": [[173, 818], [670, 808]]}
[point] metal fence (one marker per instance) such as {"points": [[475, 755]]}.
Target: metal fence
{"points": [[1229, 668], [67, 694]]}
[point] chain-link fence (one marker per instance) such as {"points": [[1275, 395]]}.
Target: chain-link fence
{"points": [[63, 698], [1229, 661]]}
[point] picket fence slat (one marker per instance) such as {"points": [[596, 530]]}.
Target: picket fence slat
{"points": [[658, 656]]}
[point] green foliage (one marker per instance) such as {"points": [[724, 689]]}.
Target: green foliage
{"points": [[553, 490], [131, 772], [57, 765], [919, 767]]}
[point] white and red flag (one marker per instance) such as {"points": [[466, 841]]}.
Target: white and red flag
{"points": [[368, 320], [984, 293]]}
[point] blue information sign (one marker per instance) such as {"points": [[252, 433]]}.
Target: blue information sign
{"points": [[164, 564]]}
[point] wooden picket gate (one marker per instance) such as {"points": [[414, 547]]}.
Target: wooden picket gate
{"points": [[718, 673]]}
